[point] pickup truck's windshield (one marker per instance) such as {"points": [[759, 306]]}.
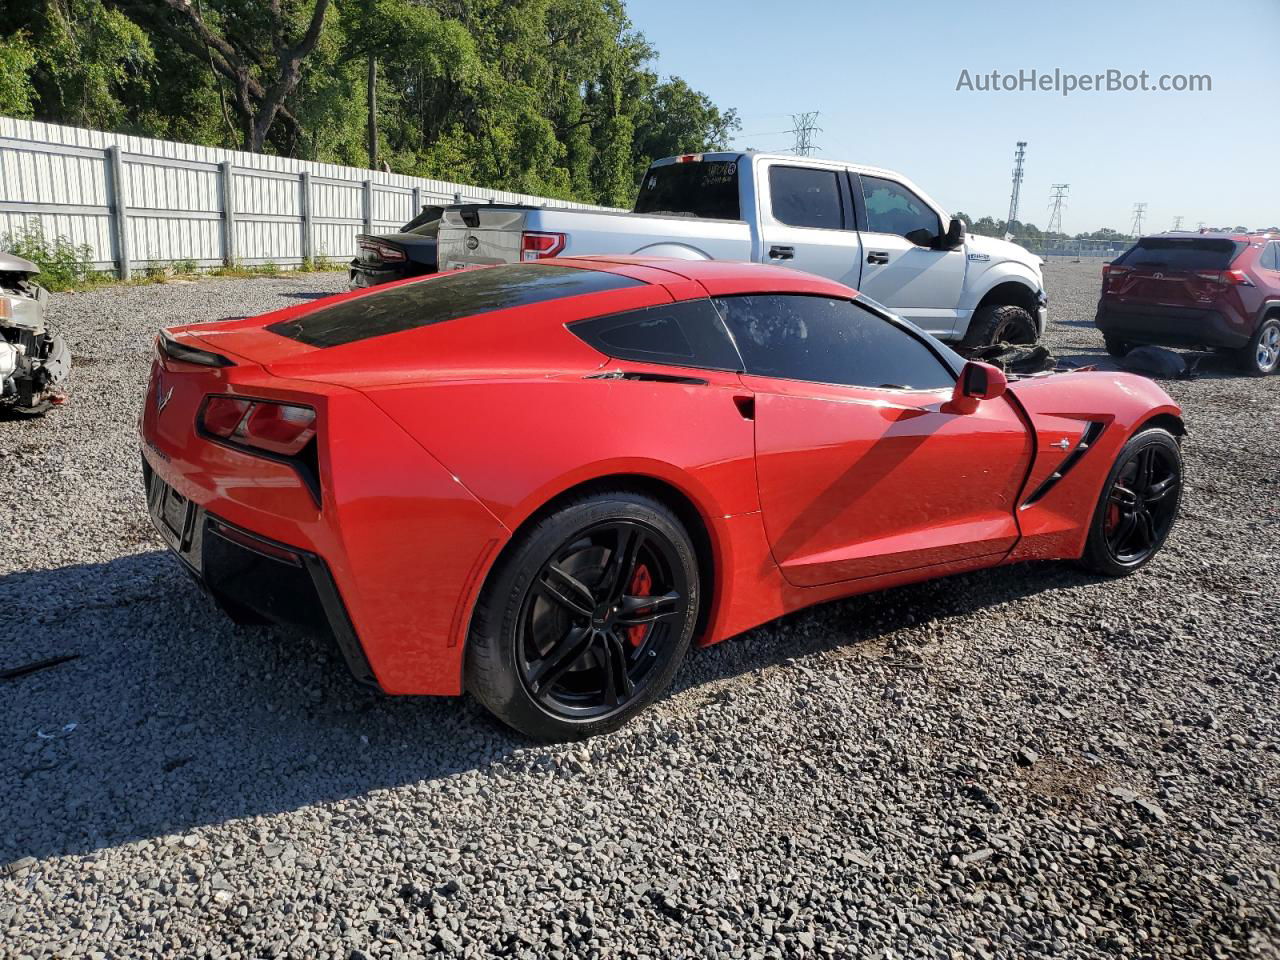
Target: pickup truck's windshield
{"points": [[704, 189]]}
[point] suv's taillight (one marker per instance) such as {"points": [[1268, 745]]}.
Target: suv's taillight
{"points": [[1229, 278], [535, 245], [279, 428], [1111, 271]]}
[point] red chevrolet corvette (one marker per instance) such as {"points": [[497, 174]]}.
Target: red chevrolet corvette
{"points": [[541, 482]]}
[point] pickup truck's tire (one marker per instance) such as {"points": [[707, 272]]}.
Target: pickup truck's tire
{"points": [[1262, 355], [1000, 324]]}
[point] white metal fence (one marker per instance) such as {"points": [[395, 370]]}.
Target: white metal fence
{"points": [[136, 202]]}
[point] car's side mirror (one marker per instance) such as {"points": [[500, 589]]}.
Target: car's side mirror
{"points": [[954, 236], [977, 382]]}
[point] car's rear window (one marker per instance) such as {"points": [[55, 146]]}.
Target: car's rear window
{"points": [[1179, 253], [707, 189], [446, 297]]}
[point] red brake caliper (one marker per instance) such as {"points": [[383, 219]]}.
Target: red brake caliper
{"points": [[640, 586]]}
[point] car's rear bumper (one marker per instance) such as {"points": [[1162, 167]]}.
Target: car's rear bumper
{"points": [[1170, 326], [361, 275], [243, 570]]}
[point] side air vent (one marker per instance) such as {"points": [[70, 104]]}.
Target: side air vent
{"points": [[1091, 434], [647, 377]]}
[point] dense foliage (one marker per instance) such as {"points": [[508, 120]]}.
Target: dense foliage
{"points": [[554, 97]]}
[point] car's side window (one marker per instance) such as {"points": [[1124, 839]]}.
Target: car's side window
{"points": [[892, 208], [1271, 256], [685, 334], [827, 340], [805, 197]]}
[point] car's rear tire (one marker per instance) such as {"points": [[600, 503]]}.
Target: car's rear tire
{"points": [[1115, 346], [1000, 324], [560, 646], [1262, 355], [1138, 505]]}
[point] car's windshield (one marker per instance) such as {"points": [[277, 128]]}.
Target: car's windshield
{"points": [[707, 189]]}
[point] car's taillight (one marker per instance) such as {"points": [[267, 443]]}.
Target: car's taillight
{"points": [[538, 246], [385, 252], [222, 415], [280, 428], [1112, 270]]}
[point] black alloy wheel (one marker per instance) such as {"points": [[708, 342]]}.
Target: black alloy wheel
{"points": [[586, 616], [598, 619], [1139, 504], [1142, 504]]}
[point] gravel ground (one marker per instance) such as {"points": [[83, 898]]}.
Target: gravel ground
{"points": [[1009, 764]]}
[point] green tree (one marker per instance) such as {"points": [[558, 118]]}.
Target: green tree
{"points": [[17, 63]]}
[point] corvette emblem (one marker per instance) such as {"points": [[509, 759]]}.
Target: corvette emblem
{"points": [[163, 396]]}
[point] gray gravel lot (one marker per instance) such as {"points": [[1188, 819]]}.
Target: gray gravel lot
{"points": [[1015, 763]]}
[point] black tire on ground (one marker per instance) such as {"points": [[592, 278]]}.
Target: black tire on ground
{"points": [[1115, 346], [1000, 324], [1138, 505], [551, 652], [1262, 355]]}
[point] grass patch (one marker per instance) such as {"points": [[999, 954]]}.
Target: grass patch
{"points": [[63, 265]]}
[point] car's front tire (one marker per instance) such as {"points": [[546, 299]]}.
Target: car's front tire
{"points": [[1138, 506], [1262, 355], [562, 643]]}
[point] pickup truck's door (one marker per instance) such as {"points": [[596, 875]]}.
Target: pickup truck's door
{"points": [[806, 221], [858, 479], [917, 282]]}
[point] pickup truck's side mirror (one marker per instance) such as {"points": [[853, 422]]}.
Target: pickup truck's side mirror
{"points": [[977, 382], [922, 237], [954, 236]]}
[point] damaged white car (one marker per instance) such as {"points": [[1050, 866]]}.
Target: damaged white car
{"points": [[34, 364]]}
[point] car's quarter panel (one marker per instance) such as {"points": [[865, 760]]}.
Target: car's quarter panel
{"points": [[518, 443], [858, 482], [400, 536], [1056, 524]]}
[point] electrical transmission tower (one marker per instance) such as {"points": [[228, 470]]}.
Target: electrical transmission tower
{"points": [[1139, 213], [1057, 203], [1018, 159], [803, 128], [1177, 223]]}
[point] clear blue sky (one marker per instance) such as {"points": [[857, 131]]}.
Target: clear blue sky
{"points": [[884, 77]]}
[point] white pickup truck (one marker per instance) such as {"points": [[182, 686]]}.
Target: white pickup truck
{"points": [[871, 229]]}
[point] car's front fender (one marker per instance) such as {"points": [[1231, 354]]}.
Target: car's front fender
{"points": [[1071, 459]]}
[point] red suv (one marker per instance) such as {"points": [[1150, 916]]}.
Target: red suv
{"points": [[1219, 291]]}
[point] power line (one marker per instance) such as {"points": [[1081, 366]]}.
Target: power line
{"points": [[1139, 214], [803, 128], [1018, 159], [1058, 203]]}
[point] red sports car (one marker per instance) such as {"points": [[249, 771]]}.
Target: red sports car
{"points": [[541, 482]]}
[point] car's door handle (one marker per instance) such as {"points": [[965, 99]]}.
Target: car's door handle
{"points": [[782, 253], [878, 256]]}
